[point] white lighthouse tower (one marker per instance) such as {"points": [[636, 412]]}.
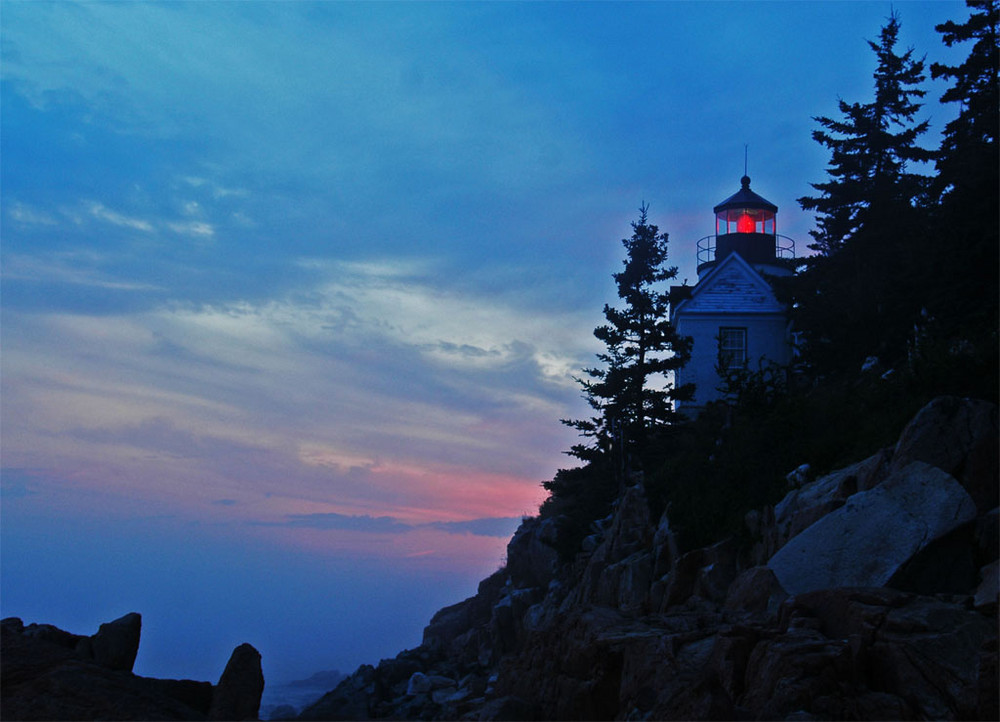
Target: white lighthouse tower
{"points": [[732, 313]]}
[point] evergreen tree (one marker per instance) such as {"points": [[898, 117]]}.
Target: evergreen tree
{"points": [[870, 148], [967, 164], [630, 392], [962, 251], [860, 295]]}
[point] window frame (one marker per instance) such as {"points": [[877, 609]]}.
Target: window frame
{"points": [[733, 348]]}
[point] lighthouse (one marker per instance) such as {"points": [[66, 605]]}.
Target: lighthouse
{"points": [[732, 314]]}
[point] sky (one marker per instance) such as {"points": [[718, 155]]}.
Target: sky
{"points": [[293, 293]]}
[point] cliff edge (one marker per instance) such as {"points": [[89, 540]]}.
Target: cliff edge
{"points": [[868, 593]]}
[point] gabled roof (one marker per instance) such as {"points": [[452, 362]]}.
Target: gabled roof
{"points": [[733, 286]]}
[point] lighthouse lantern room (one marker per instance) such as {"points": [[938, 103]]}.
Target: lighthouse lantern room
{"points": [[746, 223]]}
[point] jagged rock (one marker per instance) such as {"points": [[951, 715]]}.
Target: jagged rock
{"points": [[116, 644], [539, 616], [445, 695], [508, 708], [12, 625], [445, 632], [621, 568], [636, 573], [869, 654], [283, 712], [531, 559], [705, 573], [756, 591], [987, 696], [506, 623], [237, 695], [988, 535], [396, 673], [865, 542], [731, 655], [43, 677], [352, 699], [958, 436], [474, 683], [196, 695], [798, 476], [931, 652], [988, 591], [801, 669], [804, 506], [419, 683], [679, 584], [51, 633], [631, 529], [438, 681], [760, 524], [718, 571], [665, 549], [946, 565]]}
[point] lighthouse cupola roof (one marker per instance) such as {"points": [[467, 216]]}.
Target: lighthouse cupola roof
{"points": [[745, 198]]}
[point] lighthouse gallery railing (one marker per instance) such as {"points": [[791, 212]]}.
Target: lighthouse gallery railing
{"points": [[784, 247]]}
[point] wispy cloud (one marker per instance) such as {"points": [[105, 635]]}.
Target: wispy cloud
{"points": [[500, 527], [503, 527], [29, 216], [216, 190], [99, 211], [79, 268], [198, 229], [368, 524]]}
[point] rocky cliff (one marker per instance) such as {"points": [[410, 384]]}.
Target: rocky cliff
{"points": [[868, 593], [47, 673]]}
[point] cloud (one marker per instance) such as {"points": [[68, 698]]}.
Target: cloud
{"points": [[503, 527], [26, 215], [98, 210], [343, 522], [78, 268], [198, 229], [217, 191], [500, 527], [456, 327]]}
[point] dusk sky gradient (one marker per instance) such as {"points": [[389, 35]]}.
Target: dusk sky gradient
{"points": [[293, 293]]}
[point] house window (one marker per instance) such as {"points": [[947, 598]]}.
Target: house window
{"points": [[732, 348]]}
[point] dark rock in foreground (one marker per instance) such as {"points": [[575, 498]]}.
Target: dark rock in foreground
{"points": [[50, 674], [237, 696]]}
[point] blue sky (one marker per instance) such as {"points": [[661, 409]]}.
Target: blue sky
{"points": [[293, 293]]}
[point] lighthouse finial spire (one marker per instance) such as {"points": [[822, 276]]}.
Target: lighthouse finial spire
{"points": [[745, 153]]}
